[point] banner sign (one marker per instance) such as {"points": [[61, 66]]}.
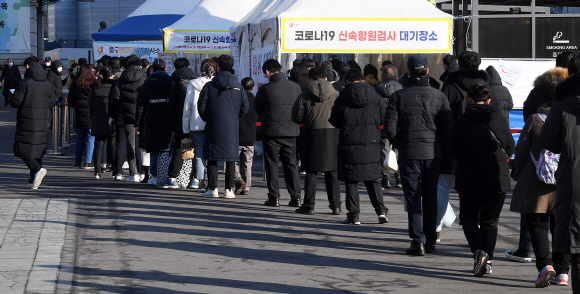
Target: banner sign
{"points": [[101, 49], [197, 41], [259, 56], [15, 26], [359, 35]]}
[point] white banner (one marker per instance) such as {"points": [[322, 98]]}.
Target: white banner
{"points": [[15, 26], [197, 41], [354, 35], [259, 56], [101, 49]]}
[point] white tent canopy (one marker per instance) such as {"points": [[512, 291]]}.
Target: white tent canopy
{"points": [[158, 7], [206, 28]]}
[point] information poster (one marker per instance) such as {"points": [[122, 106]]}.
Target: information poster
{"points": [[15, 26]]}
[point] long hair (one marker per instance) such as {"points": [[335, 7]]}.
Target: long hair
{"points": [[85, 78]]}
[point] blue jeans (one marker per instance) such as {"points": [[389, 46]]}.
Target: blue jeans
{"points": [[153, 160], [198, 138], [443, 189], [85, 142]]}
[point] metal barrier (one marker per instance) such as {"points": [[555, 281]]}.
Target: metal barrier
{"points": [[56, 135], [66, 125]]}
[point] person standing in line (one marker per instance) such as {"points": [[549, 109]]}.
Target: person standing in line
{"points": [[561, 135], [11, 77], [313, 109], [481, 142], [153, 103], [54, 77], [78, 98], [386, 89], [503, 101], [274, 102], [222, 102], [99, 114], [34, 97], [358, 113], [417, 123], [371, 74], [341, 83], [449, 65], [537, 199], [247, 139], [124, 96]]}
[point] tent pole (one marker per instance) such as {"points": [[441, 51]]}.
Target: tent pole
{"points": [[533, 4], [475, 25]]}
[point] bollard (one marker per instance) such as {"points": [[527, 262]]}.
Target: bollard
{"points": [[59, 127], [66, 130], [55, 129]]}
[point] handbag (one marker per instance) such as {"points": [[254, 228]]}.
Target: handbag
{"points": [[391, 160], [187, 150]]}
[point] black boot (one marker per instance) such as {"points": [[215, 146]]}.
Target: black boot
{"points": [[398, 180], [146, 172]]}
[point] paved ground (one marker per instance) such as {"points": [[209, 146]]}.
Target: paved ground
{"points": [[80, 235]]}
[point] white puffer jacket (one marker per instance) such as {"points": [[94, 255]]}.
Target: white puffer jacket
{"points": [[191, 120]]}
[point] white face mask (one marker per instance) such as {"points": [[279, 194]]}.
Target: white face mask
{"points": [[48, 64], [59, 69], [11, 64]]}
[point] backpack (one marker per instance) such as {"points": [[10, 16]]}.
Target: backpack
{"points": [[547, 163]]}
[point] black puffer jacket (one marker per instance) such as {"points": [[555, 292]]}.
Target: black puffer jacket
{"points": [[99, 109], [504, 101], [274, 102], [221, 104], [79, 100], [534, 100], [482, 166], [561, 134], [299, 75], [340, 84], [387, 89], [154, 99], [10, 76], [358, 114], [418, 120], [456, 87], [124, 93], [33, 97], [54, 78], [443, 77], [319, 137], [248, 123], [181, 78]]}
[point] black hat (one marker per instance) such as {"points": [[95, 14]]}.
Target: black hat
{"points": [[47, 59], [159, 63], [417, 62]]}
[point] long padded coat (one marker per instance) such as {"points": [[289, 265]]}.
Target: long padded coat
{"points": [[221, 104], [34, 96]]}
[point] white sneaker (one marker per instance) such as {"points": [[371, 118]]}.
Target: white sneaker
{"points": [[134, 179], [228, 194], [125, 165], [38, 178], [97, 176], [141, 177], [118, 177], [152, 181], [31, 186], [194, 184], [211, 193]]}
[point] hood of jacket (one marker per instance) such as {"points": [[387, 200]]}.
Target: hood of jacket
{"points": [[299, 72], [37, 73], [185, 73], [159, 81], [359, 94], [321, 90], [199, 83], [55, 65], [133, 74], [493, 77], [465, 78], [480, 112], [225, 80], [550, 76], [569, 90]]}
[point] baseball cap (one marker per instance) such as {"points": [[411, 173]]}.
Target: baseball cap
{"points": [[417, 62], [159, 62], [47, 59]]}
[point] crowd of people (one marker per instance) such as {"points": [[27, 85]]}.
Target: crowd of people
{"points": [[451, 135]]}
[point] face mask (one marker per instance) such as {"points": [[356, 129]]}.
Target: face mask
{"points": [[48, 64], [59, 69], [11, 64]]}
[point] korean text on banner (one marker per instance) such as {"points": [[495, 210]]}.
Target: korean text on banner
{"points": [[259, 56], [354, 35], [112, 48], [15, 26], [143, 53], [197, 41]]}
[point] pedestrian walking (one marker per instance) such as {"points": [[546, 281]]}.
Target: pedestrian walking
{"points": [[561, 135], [417, 123], [99, 115], [34, 97], [243, 177], [222, 102], [358, 113], [536, 198], [11, 76], [482, 142], [78, 98], [274, 102], [313, 109]]}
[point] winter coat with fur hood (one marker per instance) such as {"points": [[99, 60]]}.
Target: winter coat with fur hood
{"points": [[534, 100]]}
